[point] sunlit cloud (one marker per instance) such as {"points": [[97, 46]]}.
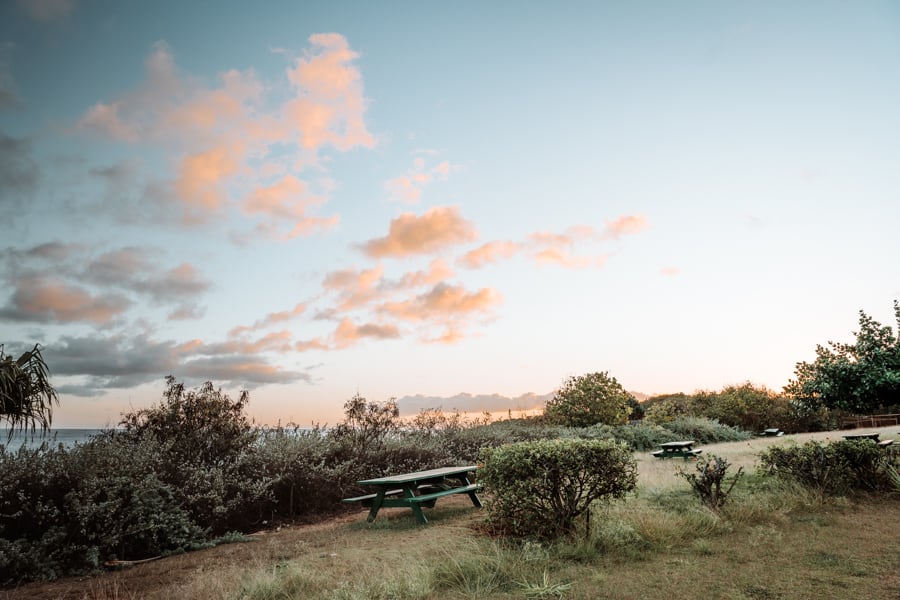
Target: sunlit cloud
{"points": [[562, 258], [625, 225], [444, 300], [273, 318], [349, 333], [409, 234], [231, 138], [488, 253], [287, 201], [47, 300], [355, 288]]}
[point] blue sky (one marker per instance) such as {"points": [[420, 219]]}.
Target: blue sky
{"points": [[422, 199]]}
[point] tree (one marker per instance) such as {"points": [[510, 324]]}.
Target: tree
{"points": [[863, 377], [26, 396], [590, 399]]}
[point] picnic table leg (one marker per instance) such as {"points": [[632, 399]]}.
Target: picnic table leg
{"points": [[417, 510], [376, 504], [472, 495]]}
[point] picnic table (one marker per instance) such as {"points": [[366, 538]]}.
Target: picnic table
{"points": [[683, 449], [869, 436], [415, 490], [773, 432]]}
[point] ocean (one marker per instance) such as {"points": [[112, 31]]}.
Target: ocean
{"points": [[65, 436]]}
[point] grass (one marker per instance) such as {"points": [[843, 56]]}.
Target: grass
{"points": [[770, 541]]}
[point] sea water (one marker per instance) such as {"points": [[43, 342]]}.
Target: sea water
{"points": [[68, 437]]}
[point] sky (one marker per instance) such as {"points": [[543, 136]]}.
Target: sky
{"points": [[454, 204]]}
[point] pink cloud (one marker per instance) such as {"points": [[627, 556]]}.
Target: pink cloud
{"points": [[348, 333], [45, 299], [47, 10], [269, 320], [670, 271], [355, 288], [408, 188], [287, 201], [105, 120], [410, 234], [489, 253], [561, 257], [442, 301], [625, 225], [200, 177]]}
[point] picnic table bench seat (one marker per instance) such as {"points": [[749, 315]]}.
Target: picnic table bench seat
{"points": [[426, 498], [368, 498]]}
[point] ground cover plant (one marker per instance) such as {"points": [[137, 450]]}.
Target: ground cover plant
{"points": [[772, 539]]}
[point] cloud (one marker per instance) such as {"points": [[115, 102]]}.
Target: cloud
{"points": [[625, 225], [230, 137], [488, 253], [355, 288], [408, 188], [557, 256], [47, 10], [269, 320], [122, 361], [329, 106], [9, 95], [67, 283], [44, 299], [670, 271], [436, 229], [442, 301], [287, 200], [349, 333]]}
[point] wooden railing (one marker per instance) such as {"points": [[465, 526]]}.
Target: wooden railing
{"points": [[870, 421]]}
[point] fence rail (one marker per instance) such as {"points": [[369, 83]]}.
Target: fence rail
{"points": [[870, 421]]}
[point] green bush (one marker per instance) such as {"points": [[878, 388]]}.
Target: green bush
{"points": [[64, 511], [830, 469], [589, 399], [705, 431], [542, 489]]}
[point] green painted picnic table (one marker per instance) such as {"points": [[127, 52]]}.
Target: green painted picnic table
{"points": [[415, 490], [683, 449]]}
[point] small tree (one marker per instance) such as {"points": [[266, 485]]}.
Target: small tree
{"points": [[862, 377], [26, 396], [590, 399], [368, 423], [542, 489], [708, 480]]}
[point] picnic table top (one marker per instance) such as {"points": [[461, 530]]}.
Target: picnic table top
{"points": [[682, 444], [862, 436], [419, 476]]}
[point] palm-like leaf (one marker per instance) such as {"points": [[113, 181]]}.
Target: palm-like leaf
{"points": [[26, 396]]}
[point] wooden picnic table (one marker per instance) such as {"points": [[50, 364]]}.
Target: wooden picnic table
{"points": [[773, 432], [683, 449], [415, 490], [862, 436]]}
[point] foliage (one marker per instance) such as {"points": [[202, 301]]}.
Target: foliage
{"points": [[589, 399], [367, 424], [708, 480], [207, 426], [705, 431], [862, 377], [26, 396], [64, 511], [830, 469], [541, 489], [661, 409]]}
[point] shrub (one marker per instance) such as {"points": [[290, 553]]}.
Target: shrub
{"points": [[541, 489], [708, 480], [705, 431], [589, 399], [830, 469]]}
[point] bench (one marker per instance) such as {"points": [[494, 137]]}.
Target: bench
{"points": [[885, 443], [430, 498], [368, 498], [685, 454]]}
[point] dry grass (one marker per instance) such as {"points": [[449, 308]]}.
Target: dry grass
{"points": [[768, 544]]}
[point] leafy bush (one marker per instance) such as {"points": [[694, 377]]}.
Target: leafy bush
{"points": [[64, 511], [541, 489], [588, 399], [830, 469], [705, 431], [708, 480]]}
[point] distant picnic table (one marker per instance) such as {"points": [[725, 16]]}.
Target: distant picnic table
{"points": [[773, 432], [418, 489], [683, 449], [869, 436]]}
